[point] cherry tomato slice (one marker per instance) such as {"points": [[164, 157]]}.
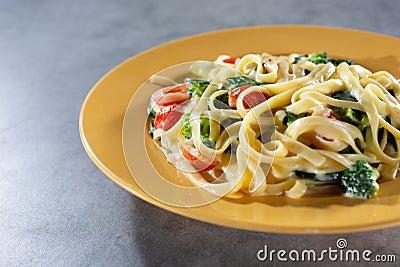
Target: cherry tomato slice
{"points": [[250, 100], [175, 94], [167, 117], [332, 116], [191, 153], [230, 60]]}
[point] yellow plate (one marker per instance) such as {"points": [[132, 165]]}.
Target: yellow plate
{"points": [[103, 113]]}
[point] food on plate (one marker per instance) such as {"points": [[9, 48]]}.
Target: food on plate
{"points": [[296, 124]]}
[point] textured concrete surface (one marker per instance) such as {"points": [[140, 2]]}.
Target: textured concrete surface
{"points": [[56, 207]]}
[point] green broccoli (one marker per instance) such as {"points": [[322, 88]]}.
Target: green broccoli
{"points": [[319, 58], [360, 181], [204, 129], [352, 116], [198, 87], [187, 128], [323, 59]]}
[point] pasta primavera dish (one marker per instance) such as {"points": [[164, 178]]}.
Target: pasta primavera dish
{"points": [[292, 124]]}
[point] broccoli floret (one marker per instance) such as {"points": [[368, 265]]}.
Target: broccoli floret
{"points": [[323, 59], [319, 58], [186, 128], [352, 116], [204, 129], [360, 181], [198, 87]]}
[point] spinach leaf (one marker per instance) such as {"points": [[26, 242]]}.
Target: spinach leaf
{"points": [[222, 101], [151, 129], [329, 176], [350, 150], [392, 140], [239, 81], [300, 58], [347, 150], [336, 62], [291, 117], [344, 95]]}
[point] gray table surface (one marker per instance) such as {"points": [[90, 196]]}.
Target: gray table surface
{"points": [[56, 206]]}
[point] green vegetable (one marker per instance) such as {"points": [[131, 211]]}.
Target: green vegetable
{"points": [[204, 126], [300, 58], [151, 130], [187, 128], [151, 109], [344, 95], [223, 101], [392, 140], [198, 87], [323, 59], [239, 81], [319, 58], [291, 117], [350, 150], [208, 142], [204, 129], [347, 150], [336, 62], [325, 177], [354, 117], [360, 181]]}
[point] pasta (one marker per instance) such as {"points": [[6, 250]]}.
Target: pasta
{"points": [[290, 124]]}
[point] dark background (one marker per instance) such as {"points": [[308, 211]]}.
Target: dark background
{"points": [[56, 207]]}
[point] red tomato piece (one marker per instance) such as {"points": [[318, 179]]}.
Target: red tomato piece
{"points": [[231, 60], [175, 94], [234, 94], [250, 100], [332, 116], [191, 153], [254, 98], [167, 117]]}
